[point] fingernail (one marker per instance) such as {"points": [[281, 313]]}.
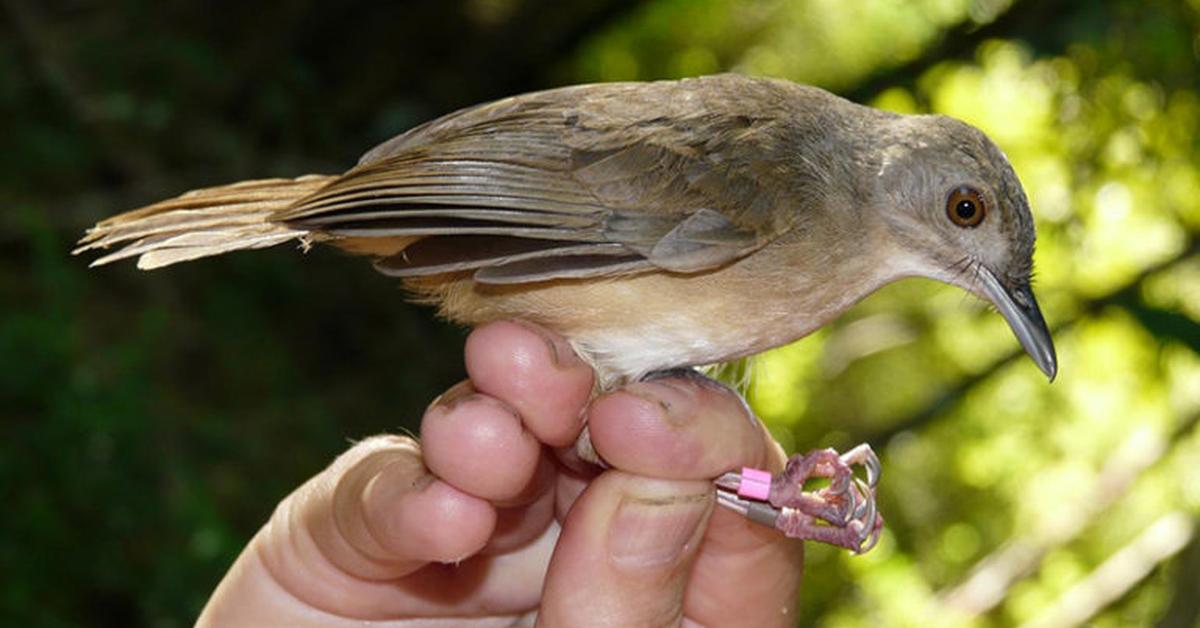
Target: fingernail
{"points": [[562, 356], [654, 531], [453, 395]]}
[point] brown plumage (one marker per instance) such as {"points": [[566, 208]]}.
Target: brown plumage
{"points": [[656, 225]]}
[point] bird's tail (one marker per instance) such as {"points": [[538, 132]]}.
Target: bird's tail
{"points": [[203, 222]]}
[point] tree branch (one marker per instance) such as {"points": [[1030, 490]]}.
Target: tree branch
{"points": [[1120, 574], [992, 577]]}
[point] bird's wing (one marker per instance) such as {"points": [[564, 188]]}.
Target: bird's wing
{"points": [[576, 182]]}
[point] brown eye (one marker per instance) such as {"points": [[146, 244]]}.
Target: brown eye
{"points": [[965, 207]]}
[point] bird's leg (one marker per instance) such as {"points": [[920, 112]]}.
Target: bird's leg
{"points": [[842, 513]]}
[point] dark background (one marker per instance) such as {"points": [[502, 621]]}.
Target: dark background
{"points": [[151, 421]]}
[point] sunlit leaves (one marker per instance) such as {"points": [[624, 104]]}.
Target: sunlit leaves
{"points": [[827, 42], [1106, 141]]}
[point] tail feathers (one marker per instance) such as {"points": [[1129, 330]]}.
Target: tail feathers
{"points": [[202, 222]]}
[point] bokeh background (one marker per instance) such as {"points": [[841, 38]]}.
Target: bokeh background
{"points": [[150, 421]]}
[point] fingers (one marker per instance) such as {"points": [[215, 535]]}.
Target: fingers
{"points": [[374, 515], [746, 574], [484, 436], [474, 530], [679, 428], [479, 445], [377, 514], [624, 554], [536, 373], [518, 525]]}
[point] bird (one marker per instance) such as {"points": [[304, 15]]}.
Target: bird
{"points": [[656, 225]]}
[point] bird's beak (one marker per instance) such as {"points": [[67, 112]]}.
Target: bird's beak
{"points": [[1020, 309]]}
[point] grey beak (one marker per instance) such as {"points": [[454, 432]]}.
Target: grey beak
{"points": [[1020, 309]]}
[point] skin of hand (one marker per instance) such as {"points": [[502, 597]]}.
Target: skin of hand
{"points": [[482, 524]]}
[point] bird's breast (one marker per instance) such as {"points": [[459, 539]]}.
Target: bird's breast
{"points": [[629, 326]]}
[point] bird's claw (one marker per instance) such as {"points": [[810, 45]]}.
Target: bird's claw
{"points": [[864, 455], [843, 513]]}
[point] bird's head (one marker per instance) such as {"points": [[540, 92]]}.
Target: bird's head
{"points": [[955, 208]]}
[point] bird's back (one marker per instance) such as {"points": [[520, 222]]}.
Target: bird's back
{"points": [[565, 206]]}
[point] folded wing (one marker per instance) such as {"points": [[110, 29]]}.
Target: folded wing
{"points": [[571, 183]]}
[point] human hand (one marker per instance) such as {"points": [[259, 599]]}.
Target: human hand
{"points": [[481, 525]]}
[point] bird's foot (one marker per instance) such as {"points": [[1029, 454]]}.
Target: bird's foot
{"points": [[843, 513]]}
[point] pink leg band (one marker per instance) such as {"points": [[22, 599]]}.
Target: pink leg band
{"points": [[756, 484]]}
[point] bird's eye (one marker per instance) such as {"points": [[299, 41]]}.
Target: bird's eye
{"points": [[965, 207]]}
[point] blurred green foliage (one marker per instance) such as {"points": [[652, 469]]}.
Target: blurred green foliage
{"points": [[152, 421]]}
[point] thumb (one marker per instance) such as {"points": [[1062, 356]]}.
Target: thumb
{"points": [[625, 553]]}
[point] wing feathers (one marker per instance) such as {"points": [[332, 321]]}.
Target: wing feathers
{"points": [[577, 182], [516, 217], [399, 197], [447, 254], [430, 227], [568, 267], [705, 239], [539, 188]]}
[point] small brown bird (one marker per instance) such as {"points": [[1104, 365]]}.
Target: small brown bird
{"points": [[656, 225]]}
